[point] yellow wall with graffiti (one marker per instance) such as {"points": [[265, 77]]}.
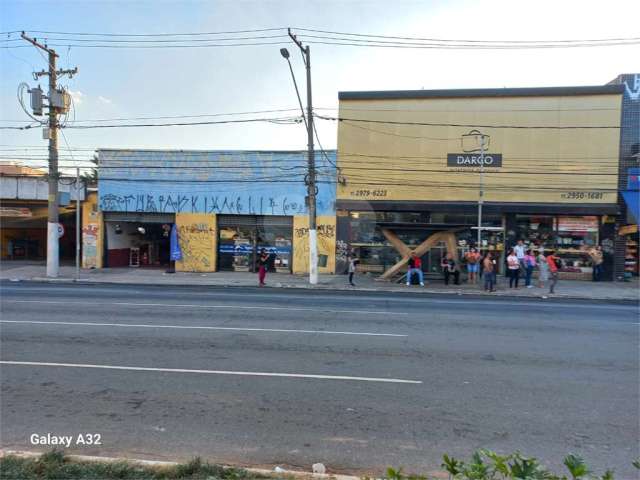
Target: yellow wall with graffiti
{"points": [[382, 161], [92, 236], [326, 228], [198, 240]]}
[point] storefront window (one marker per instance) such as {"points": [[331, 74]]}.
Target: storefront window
{"points": [[577, 232], [536, 230]]}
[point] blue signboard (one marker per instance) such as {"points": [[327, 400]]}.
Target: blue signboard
{"points": [[222, 182], [246, 248]]}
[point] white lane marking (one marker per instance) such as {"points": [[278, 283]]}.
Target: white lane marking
{"points": [[211, 372], [238, 307], [194, 327]]}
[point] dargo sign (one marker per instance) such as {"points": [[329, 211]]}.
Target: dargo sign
{"points": [[473, 160]]}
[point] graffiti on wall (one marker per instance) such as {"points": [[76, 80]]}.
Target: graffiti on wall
{"points": [[197, 237], [215, 182], [326, 231], [224, 204], [90, 245]]}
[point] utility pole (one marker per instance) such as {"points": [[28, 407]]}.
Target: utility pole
{"points": [[482, 140], [78, 224], [53, 249], [311, 180]]}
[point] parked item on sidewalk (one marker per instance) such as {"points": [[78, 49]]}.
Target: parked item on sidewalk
{"points": [[353, 262], [489, 266], [472, 257], [513, 268], [450, 267], [543, 267], [529, 265], [597, 259], [555, 264], [263, 264], [415, 267]]}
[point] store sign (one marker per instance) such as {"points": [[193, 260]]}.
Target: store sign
{"points": [[577, 224], [474, 160], [15, 212]]}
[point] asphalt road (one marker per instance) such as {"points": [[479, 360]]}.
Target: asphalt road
{"points": [[358, 381]]}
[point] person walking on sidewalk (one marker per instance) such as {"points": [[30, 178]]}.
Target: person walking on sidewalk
{"points": [[555, 263], [543, 266], [530, 264], [473, 264], [489, 268], [263, 265], [353, 261], [513, 269], [450, 267], [415, 266]]}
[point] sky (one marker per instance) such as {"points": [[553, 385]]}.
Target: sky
{"points": [[124, 83]]}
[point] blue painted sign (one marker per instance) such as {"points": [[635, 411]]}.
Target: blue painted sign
{"points": [[246, 248], [174, 245], [222, 182]]}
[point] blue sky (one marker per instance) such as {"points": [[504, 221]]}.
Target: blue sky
{"points": [[129, 83]]}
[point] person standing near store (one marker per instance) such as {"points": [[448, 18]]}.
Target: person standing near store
{"points": [[472, 258], [489, 268], [529, 265], [543, 267], [415, 266], [450, 267], [263, 265], [597, 260], [520, 251], [353, 261], [555, 263], [513, 268]]}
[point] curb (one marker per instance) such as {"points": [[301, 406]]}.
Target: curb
{"points": [[164, 463], [278, 285]]}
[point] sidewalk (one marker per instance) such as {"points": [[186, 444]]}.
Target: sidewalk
{"points": [[18, 271]]}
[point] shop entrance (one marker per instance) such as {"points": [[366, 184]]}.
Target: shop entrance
{"points": [[137, 240], [242, 237]]}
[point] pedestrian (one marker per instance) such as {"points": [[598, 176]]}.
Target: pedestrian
{"points": [[450, 267], [530, 264], [489, 266], [543, 267], [520, 250], [513, 268], [415, 266], [555, 264], [597, 260], [263, 264], [473, 264], [353, 261]]}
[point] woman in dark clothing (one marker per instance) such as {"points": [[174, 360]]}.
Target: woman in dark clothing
{"points": [[263, 264]]}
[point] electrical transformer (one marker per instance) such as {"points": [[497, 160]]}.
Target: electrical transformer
{"points": [[36, 100]]}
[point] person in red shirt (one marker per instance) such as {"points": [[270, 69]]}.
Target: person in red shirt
{"points": [[554, 263], [415, 266]]}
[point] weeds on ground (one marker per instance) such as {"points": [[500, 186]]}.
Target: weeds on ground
{"points": [[55, 465]]}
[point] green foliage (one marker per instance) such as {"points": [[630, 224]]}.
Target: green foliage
{"points": [[55, 466], [488, 465]]}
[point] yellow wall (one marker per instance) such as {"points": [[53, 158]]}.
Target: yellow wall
{"points": [[326, 228], [197, 234], [368, 153], [92, 233]]}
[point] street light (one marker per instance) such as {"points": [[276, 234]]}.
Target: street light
{"points": [[311, 177]]}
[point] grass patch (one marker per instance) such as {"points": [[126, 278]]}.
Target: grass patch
{"points": [[55, 465]]}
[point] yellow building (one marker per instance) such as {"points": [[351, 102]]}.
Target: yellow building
{"points": [[410, 168]]}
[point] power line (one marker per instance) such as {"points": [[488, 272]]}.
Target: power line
{"points": [[164, 34], [428, 124]]}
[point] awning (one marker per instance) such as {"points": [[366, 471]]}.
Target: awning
{"points": [[632, 198]]}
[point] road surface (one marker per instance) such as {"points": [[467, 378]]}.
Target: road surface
{"points": [[358, 381]]}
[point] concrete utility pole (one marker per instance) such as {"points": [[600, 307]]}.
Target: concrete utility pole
{"points": [[78, 223], [482, 140], [311, 180], [53, 249]]}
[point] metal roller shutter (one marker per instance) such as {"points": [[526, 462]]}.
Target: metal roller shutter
{"points": [[253, 221]]}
